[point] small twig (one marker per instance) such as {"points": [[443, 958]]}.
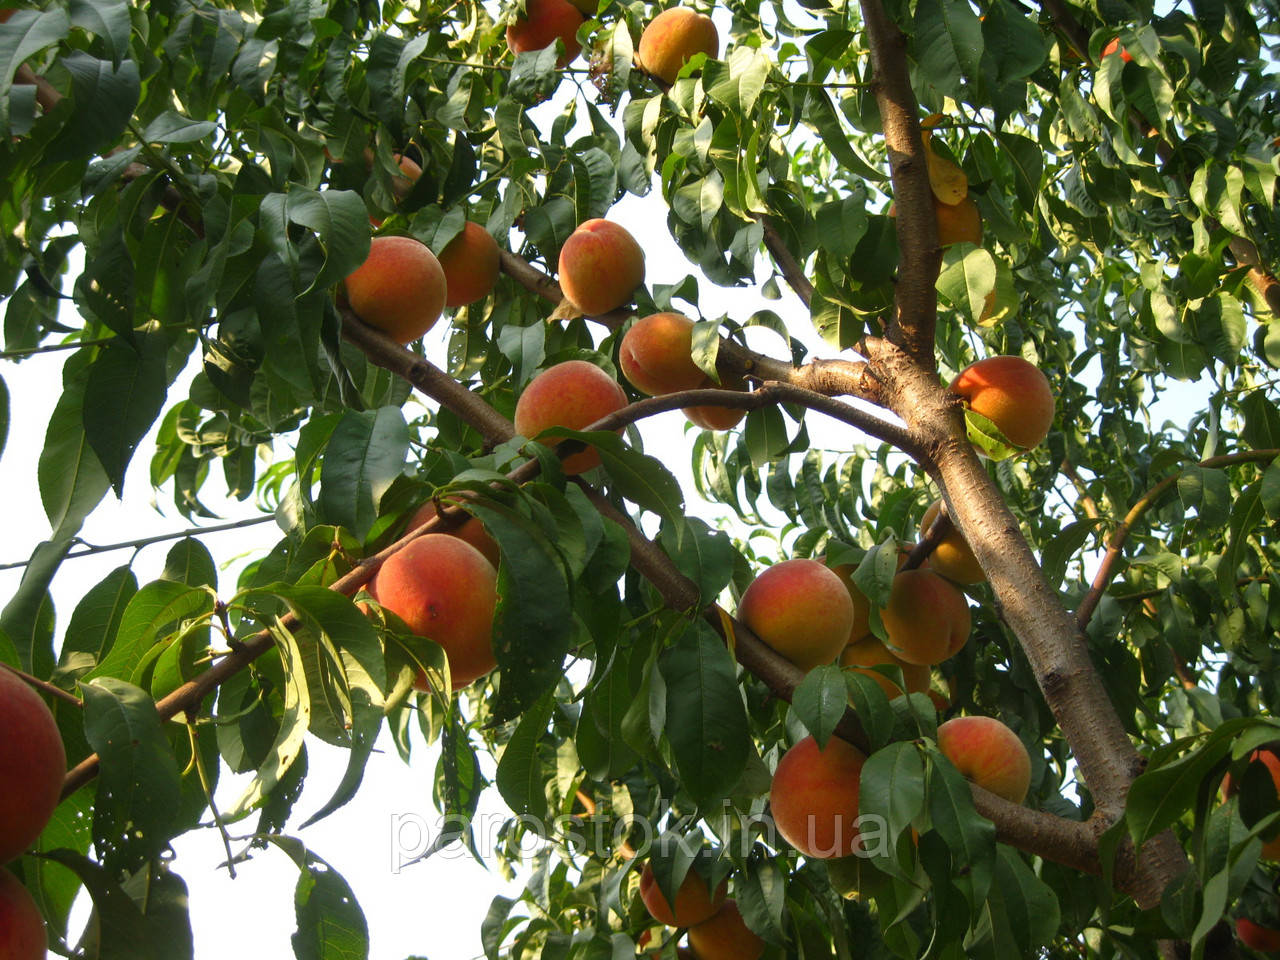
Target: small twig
{"points": [[89, 549], [1087, 503], [936, 533], [194, 740], [790, 268], [56, 692], [1115, 544], [22, 352]]}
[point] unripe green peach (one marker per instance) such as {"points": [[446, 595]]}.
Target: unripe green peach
{"points": [[399, 289], [694, 902], [656, 355], [32, 765], [1011, 393], [672, 38], [814, 797], [800, 609], [470, 262], [573, 394], [987, 752], [927, 619], [600, 266], [445, 590]]}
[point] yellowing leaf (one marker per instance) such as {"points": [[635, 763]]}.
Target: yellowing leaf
{"points": [[948, 181]]}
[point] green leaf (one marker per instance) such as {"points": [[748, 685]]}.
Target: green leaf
{"points": [[706, 724], [123, 932], [72, 480], [340, 222], [820, 701], [893, 787], [1161, 795], [154, 611], [948, 44], [173, 127], [135, 814], [970, 836], [1246, 513], [331, 925], [365, 454], [189, 562], [532, 627], [96, 618], [106, 19], [643, 480], [765, 435], [1022, 911], [27, 619], [122, 398], [967, 278], [4, 415], [522, 776], [103, 99]]}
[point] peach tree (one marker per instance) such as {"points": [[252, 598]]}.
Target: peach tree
{"points": [[1087, 186]]}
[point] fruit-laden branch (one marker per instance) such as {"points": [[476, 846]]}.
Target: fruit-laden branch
{"points": [[1115, 544], [830, 377], [1055, 838], [916, 298]]}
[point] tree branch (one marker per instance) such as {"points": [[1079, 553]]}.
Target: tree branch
{"points": [[787, 264], [1115, 544], [44, 686], [916, 300]]}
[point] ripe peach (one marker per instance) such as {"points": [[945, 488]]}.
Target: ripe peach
{"points": [[801, 609], [1256, 936], [952, 557], [861, 605], [672, 38], [987, 752], [927, 619], [694, 902], [814, 797], [402, 185], [32, 765], [573, 394], [958, 222], [399, 289], [725, 936], [600, 266], [1269, 759], [471, 530], [543, 22], [870, 652], [1113, 46], [22, 935], [708, 416], [1011, 393], [656, 355], [470, 262], [445, 590], [6, 13]]}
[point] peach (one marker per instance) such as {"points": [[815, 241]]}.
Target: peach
{"points": [[1257, 937], [814, 797], [989, 754], [656, 355], [725, 936], [1011, 393], [6, 13], [541, 23], [402, 185], [845, 874], [445, 590], [22, 935], [1269, 759], [709, 416], [861, 605], [801, 609], [573, 394], [399, 289], [927, 619], [600, 266], [471, 530], [870, 652], [470, 261], [952, 557], [959, 222], [31, 755], [672, 38], [1113, 46], [694, 902]]}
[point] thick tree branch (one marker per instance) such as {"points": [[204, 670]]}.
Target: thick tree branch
{"points": [[1115, 544], [916, 301]]}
